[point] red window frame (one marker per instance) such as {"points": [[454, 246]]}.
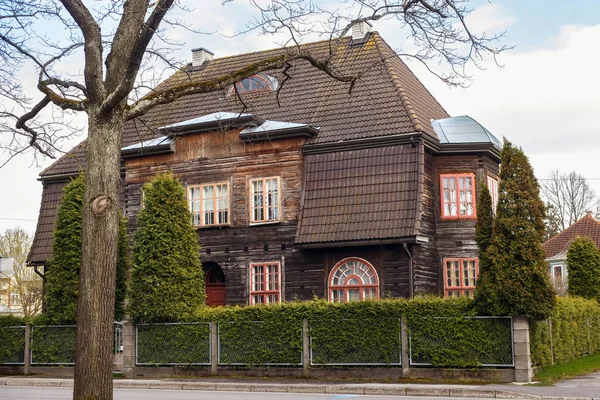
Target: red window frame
{"points": [[241, 89], [473, 191], [461, 289], [493, 188], [332, 288], [264, 293]]}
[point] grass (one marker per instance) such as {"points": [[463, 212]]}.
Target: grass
{"points": [[571, 369]]}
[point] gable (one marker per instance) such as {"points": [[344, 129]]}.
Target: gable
{"points": [[585, 227]]}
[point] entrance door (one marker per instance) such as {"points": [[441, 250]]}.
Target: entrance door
{"points": [[214, 280]]}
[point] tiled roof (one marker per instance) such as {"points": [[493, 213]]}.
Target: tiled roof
{"points": [[387, 99], [41, 248], [585, 227], [360, 195]]}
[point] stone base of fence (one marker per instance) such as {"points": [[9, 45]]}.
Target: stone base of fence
{"points": [[387, 373], [522, 353]]}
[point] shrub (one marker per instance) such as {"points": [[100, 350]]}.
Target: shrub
{"points": [[484, 225], [167, 281], [516, 281], [583, 261]]}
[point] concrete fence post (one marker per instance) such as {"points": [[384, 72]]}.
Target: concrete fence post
{"points": [[404, 351], [214, 348], [521, 348], [305, 348], [27, 350], [129, 350]]}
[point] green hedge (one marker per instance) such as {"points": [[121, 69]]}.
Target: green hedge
{"points": [[575, 332], [12, 340], [173, 344], [349, 333], [53, 344]]}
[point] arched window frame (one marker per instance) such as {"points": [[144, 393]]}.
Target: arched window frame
{"points": [[270, 84], [331, 288]]}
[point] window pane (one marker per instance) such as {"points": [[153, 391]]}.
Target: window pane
{"points": [[353, 294]]}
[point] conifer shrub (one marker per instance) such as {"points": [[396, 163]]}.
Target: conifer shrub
{"points": [[167, 282], [515, 280], [484, 225], [62, 277], [583, 261]]}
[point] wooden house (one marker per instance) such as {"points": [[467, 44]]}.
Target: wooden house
{"points": [[316, 191]]}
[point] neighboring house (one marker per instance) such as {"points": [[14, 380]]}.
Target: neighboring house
{"points": [[10, 302], [320, 192], [557, 247]]}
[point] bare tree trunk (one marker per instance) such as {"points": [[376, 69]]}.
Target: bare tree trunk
{"points": [[95, 305]]}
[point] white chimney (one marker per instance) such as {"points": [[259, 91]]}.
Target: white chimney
{"points": [[360, 30], [200, 56], [6, 266]]}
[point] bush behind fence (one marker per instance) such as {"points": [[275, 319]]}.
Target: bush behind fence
{"points": [[164, 344]]}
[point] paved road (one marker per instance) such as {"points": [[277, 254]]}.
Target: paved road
{"points": [[57, 393]]}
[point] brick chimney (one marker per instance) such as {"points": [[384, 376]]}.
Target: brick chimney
{"points": [[360, 30], [200, 56]]}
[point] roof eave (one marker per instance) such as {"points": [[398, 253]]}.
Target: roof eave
{"points": [[236, 122], [304, 131], [362, 242]]}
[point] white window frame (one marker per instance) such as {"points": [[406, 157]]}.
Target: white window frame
{"points": [[265, 205], [200, 213], [492, 184], [265, 292]]}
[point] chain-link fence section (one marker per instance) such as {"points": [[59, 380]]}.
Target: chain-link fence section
{"points": [[118, 347], [173, 344], [12, 345], [461, 341], [260, 343], [53, 345], [355, 342]]}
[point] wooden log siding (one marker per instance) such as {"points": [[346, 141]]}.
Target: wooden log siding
{"points": [[219, 157], [455, 238]]}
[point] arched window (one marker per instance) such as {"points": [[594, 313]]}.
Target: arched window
{"points": [[255, 84], [353, 279]]}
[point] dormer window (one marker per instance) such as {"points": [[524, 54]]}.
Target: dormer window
{"points": [[255, 84]]}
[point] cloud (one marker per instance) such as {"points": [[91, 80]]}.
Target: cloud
{"points": [[490, 18]]}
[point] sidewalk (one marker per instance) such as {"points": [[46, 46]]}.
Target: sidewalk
{"points": [[582, 388]]}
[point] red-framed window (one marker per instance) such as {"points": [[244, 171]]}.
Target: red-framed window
{"points": [[265, 283], [264, 200], [493, 188], [353, 279], [254, 84], [458, 196], [209, 204], [460, 276]]}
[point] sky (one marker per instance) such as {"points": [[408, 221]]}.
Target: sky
{"points": [[545, 98]]}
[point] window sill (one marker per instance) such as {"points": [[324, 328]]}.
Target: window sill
{"points": [[211, 226], [264, 223], [458, 218]]}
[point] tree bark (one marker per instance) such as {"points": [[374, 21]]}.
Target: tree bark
{"points": [[95, 305]]}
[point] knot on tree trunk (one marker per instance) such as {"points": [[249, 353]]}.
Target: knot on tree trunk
{"points": [[100, 204]]}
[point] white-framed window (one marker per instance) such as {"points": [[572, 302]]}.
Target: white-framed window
{"points": [[458, 196], [14, 298], [265, 283], [353, 279], [209, 204], [265, 200], [493, 188], [460, 276]]}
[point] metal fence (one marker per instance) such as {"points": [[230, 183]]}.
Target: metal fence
{"points": [[444, 342], [53, 345], [173, 344], [118, 347], [374, 341], [12, 345], [259, 343]]}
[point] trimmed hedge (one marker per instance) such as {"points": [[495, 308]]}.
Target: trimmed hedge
{"points": [[353, 333], [575, 332], [12, 340]]}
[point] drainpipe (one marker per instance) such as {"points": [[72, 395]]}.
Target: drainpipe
{"points": [[410, 271]]}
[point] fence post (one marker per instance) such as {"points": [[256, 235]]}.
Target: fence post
{"points": [[551, 344], [27, 355], [588, 335], [521, 348], [214, 348], [404, 348], [129, 342], [305, 348]]}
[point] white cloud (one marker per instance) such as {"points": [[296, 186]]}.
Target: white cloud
{"points": [[490, 18]]}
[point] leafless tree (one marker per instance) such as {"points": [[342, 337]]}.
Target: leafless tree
{"points": [[113, 42], [570, 197], [25, 282]]}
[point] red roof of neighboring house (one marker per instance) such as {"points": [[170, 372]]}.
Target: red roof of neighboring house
{"points": [[585, 227]]}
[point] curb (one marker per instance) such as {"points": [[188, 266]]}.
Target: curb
{"points": [[381, 390]]}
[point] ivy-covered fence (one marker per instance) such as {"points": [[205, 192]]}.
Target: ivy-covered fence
{"points": [[173, 344], [572, 331], [53, 345], [12, 345]]}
